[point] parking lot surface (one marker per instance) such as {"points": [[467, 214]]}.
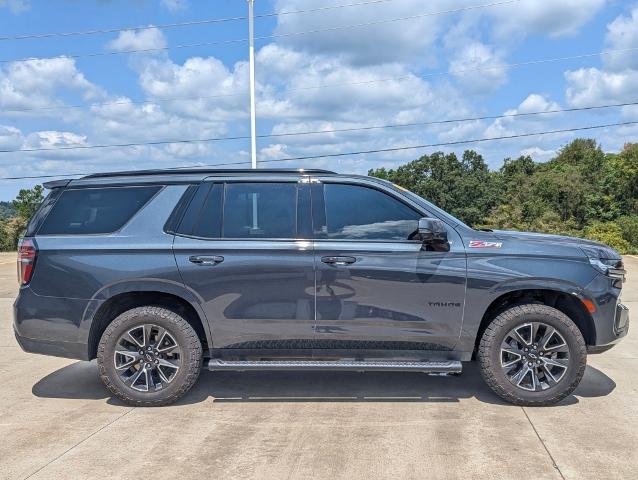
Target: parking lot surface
{"points": [[58, 421]]}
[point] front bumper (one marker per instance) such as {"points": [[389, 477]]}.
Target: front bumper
{"points": [[611, 317]]}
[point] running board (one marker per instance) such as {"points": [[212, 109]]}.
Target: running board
{"points": [[441, 368]]}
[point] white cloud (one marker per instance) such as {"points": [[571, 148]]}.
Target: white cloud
{"points": [[10, 137], [54, 139], [535, 103], [393, 42], [34, 83], [592, 86], [476, 55], [174, 5], [617, 81], [146, 39], [622, 33], [538, 153], [16, 6], [551, 18], [515, 125]]}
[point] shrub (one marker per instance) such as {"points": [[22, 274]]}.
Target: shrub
{"points": [[610, 234], [629, 229]]}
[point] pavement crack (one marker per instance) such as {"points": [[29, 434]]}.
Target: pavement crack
{"points": [[555, 465], [79, 443]]}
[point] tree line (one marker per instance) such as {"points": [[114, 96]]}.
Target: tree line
{"points": [[581, 192]]}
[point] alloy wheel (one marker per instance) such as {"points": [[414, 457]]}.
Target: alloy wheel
{"points": [[534, 356], [147, 358]]}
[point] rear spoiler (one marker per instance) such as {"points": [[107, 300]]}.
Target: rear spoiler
{"points": [[56, 184]]}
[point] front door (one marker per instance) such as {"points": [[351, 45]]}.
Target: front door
{"points": [[376, 288], [240, 247]]}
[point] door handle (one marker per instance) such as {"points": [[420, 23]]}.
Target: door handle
{"points": [[338, 260], [212, 260]]}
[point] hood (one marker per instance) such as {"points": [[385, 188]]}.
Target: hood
{"points": [[589, 248]]}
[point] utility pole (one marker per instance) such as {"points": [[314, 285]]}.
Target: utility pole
{"points": [[253, 122]]}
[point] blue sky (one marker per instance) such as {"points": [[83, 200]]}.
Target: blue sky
{"points": [[404, 71]]}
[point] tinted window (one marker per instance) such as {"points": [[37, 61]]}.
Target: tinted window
{"points": [[260, 210], [355, 212], [95, 210], [209, 223], [191, 217]]}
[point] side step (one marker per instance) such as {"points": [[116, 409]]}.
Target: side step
{"points": [[451, 366]]}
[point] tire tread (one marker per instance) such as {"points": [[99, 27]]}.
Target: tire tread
{"points": [[193, 363], [507, 320]]}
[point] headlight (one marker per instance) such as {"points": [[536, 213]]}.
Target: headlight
{"points": [[611, 267]]}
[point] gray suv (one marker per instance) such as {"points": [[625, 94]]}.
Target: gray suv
{"points": [[158, 273]]}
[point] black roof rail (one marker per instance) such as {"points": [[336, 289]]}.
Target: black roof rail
{"points": [[206, 171]]}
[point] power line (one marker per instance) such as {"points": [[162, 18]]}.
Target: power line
{"points": [[183, 24], [365, 152], [314, 132], [334, 130], [344, 84], [264, 37]]}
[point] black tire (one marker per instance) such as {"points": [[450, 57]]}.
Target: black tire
{"points": [[489, 354], [190, 358]]}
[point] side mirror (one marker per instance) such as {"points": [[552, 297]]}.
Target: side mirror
{"points": [[433, 232]]}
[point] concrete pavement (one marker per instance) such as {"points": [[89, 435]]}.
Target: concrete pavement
{"points": [[58, 421]]}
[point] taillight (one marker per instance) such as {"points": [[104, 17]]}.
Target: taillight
{"points": [[26, 260]]}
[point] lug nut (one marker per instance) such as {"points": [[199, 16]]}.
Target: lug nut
{"points": [[156, 361]]}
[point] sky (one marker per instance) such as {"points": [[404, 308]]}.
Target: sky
{"points": [[366, 63]]}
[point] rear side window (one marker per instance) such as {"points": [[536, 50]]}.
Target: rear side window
{"points": [[244, 210], [361, 213], [95, 210], [260, 210]]}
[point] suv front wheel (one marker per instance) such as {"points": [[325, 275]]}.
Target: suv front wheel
{"points": [[149, 356], [532, 355]]}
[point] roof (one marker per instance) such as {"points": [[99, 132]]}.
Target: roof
{"points": [[205, 171], [179, 175]]}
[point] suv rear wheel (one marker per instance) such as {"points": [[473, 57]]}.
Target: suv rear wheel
{"points": [[532, 355], [149, 356]]}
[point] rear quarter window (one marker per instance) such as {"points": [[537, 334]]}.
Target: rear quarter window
{"points": [[95, 210]]}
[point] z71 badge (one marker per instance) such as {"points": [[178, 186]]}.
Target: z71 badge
{"points": [[482, 244]]}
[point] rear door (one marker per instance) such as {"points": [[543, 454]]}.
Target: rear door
{"points": [[376, 288], [244, 248]]}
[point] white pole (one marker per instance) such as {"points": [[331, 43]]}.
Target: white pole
{"points": [[253, 134], [253, 122]]}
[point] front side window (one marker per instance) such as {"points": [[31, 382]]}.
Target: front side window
{"points": [[360, 213], [260, 210], [95, 210]]}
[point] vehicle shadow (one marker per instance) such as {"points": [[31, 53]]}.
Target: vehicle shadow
{"points": [[80, 381]]}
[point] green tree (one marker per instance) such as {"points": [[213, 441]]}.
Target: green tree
{"points": [[580, 192], [28, 201], [464, 187], [25, 204]]}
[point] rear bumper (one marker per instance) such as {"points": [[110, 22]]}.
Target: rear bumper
{"points": [[76, 351], [52, 325]]}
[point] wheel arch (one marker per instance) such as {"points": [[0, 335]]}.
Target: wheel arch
{"points": [[570, 304], [126, 300]]}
